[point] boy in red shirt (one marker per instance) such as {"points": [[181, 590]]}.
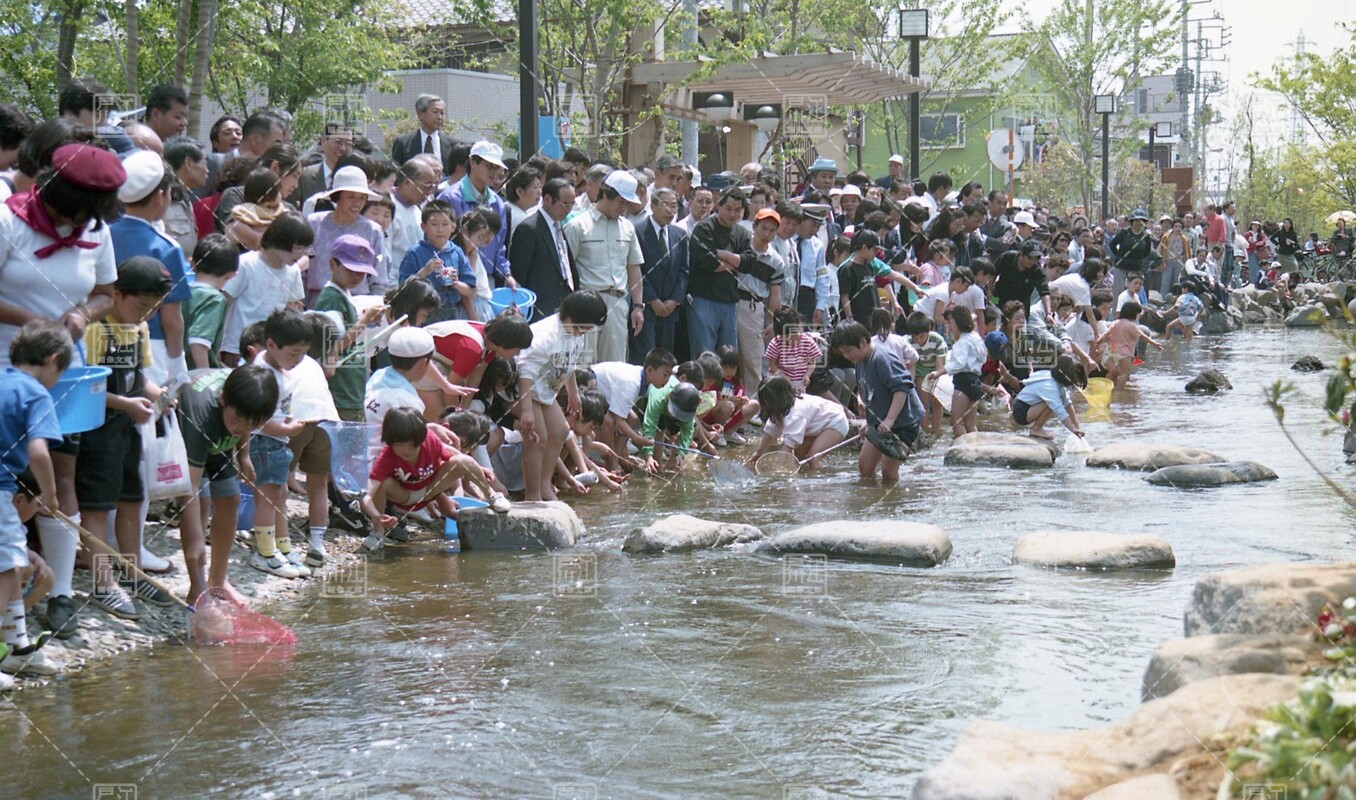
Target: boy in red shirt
{"points": [[416, 468]]}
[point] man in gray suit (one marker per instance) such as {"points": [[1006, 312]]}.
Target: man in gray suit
{"points": [[335, 143], [429, 138]]}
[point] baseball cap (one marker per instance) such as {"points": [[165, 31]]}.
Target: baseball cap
{"points": [[995, 341], [489, 151], [1024, 218], [410, 343], [768, 213], [683, 402], [355, 253], [624, 183], [145, 171], [143, 275], [1031, 247]]}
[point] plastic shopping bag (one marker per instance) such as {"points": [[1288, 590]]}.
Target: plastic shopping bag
{"points": [[168, 461]]}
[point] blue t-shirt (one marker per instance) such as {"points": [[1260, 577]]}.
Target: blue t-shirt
{"points": [[879, 376], [26, 413], [453, 259], [133, 236]]}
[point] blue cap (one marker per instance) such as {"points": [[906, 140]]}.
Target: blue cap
{"points": [[996, 340], [824, 164], [1139, 213]]}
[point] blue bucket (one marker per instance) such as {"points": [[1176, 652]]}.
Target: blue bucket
{"points": [[504, 298], [450, 523], [79, 396], [244, 519]]}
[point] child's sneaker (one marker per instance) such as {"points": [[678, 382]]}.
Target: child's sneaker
{"points": [[273, 565], [499, 503], [34, 663], [372, 543], [298, 562], [116, 602], [315, 557], [143, 590], [735, 438]]}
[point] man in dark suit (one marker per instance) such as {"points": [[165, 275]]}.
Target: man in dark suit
{"points": [[539, 258], [664, 246], [335, 143], [429, 138]]}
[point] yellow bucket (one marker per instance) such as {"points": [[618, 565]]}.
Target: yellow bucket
{"points": [[1098, 392]]}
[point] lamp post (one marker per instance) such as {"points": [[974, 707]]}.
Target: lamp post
{"points": [[527, 79], [913, 25], [1105, 104]]}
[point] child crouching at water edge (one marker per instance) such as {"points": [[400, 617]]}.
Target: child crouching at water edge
{"points": [[1046, 394], [415, 468], [886, 391], [805, 426]]}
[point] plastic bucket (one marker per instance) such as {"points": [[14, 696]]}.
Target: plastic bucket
{"points": [[1098, 392], [349, 462], [244, 519], [79, 396], [504, 298], [450, 523]]}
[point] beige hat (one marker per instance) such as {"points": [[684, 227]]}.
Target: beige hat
{"points": [[145, 170], [351, 179]]}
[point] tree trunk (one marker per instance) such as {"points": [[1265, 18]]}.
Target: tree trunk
{"points": [[181, 31], [133, 45], [202, 54], [67, 32]]}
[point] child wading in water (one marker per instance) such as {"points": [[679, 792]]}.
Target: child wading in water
{"points": [[1046, 394], [963, 363], [887, 392], [1121, 337], [806, 426]]}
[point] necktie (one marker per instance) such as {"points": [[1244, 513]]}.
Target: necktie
{"points": [[663, 244], [428, 143], [564, 257]]}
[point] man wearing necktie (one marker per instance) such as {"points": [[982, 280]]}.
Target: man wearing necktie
{"points": [[538, 253], [429, 137], [664, 275], [814, 293]]}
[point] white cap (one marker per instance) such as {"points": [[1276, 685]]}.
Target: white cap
{"points": [[489, 151], [410, 342], [1024, 218], [351, 179], [836, 191], [897, 159], [852, 190], [145, 170], [624, 183]]}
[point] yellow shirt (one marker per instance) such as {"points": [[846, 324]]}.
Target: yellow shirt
{"points": [[124, 348]]}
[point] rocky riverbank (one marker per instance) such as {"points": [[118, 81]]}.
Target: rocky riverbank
{"points": [[1250, 635], [1309, 306]]}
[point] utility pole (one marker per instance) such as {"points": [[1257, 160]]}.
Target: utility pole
{"points": [[527, 79], [688, 127]]}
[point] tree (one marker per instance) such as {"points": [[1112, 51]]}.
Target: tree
{"points": [[1086, 48], [1056, 181], [1321, 88]]}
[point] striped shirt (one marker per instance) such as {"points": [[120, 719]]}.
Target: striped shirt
{"points": [[796, 358]]}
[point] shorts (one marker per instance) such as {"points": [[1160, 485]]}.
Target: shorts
{"points": [[840, 424], [968, 384], [507, 462], [415, 502], [311, 450], [13, 535], [1019, 412], [272, 460], [427, 384], [219, 488], [108, 468], [70, 445]]}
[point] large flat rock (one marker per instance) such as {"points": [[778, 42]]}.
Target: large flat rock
{"points": [[912, 543], [679, 532], [1181, 661], [1093, 550], [1146, 787], [528, 526], [1202, 475], [1268, 598], [1014, 455], [996, 761], [994, 437], [1147, 457]]}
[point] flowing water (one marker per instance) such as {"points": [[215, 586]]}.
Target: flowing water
{"points": [[714, 674]]}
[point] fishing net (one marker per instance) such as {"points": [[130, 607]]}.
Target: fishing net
{"points": [[726, 471], [777, 464], [219, 619], [888, 443]]}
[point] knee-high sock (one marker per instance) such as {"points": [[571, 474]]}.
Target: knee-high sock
{"points": [[59, 542]]}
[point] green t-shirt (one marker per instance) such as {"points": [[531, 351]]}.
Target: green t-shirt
{"points": [[350, 376], [655, 407], [928, 353], [205, 319]]}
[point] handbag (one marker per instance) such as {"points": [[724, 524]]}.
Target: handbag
{"points": [[168, 473]]}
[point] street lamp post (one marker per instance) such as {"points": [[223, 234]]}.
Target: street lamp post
{"points": [[913, 25], [1105, 104], [527, 79]]}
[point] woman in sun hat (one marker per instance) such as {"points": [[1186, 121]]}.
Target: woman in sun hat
{"points": [[349, 192]]}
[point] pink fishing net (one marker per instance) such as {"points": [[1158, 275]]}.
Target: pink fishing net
{"points": [[219, 619]]}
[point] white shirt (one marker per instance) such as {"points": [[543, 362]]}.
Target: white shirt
{"points": [[406, 232], [554, 354], [968, 354], [48, 286], [286, 388], [809, 416], [434, 149], [1079, 331], [900, 347], [972, 298], [933, 208], [1073, 287], [621, 383], [257, 291], [386, 389], [517, 215]]}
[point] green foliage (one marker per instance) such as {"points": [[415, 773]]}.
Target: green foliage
{"points": [[1055, 182]]}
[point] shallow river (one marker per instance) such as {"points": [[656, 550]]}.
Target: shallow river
{"points": [[717, 674]]}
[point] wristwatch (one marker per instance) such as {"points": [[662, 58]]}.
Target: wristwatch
{"points": [[635, 306]]}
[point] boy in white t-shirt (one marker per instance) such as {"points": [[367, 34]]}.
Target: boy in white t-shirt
{"points": [[266, 281], [625, 385]]}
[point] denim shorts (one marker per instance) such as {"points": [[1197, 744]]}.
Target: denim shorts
{"points": [[217, 488], [272, 460]]}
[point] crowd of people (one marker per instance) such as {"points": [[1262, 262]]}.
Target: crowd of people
{"points": [[250, 294]]}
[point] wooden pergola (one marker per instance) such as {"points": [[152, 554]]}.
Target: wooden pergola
{"points": [[833, 78]]}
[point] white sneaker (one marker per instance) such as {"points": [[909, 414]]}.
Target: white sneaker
{"points": [[273, 565], [6, 682], [298, 562], [373, 542], [315, 557], [154, 564], [423, 516], [736, 439], [35, 663], [499, 503], [720, 441]]}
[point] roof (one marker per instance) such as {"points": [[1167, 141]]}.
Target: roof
{"points": [[431, 13], [838, 77]]}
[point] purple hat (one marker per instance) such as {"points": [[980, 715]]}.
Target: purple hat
{"points": [[355, 253]]}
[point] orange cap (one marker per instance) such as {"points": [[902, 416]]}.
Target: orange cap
{"points": [[768, 213]]}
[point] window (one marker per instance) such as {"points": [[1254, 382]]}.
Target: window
{"points": [[941, 131]]}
